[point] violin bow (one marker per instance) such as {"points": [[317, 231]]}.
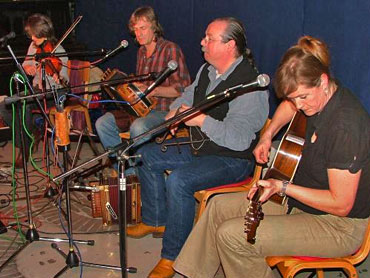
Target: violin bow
{"points": [[70, 29]]}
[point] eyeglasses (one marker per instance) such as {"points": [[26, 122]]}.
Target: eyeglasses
{"points": [[207, 40]]}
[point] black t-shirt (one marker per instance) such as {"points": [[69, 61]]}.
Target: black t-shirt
{"points": [[342, 142]]}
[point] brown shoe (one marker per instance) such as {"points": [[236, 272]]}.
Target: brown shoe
{"points": [[141, 230], [163, 269]]}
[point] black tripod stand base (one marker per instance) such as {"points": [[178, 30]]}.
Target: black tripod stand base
{"points": [[73, 261], [32, 235]]}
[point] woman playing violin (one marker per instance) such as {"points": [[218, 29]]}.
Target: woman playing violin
{"points": [[40, 29]]}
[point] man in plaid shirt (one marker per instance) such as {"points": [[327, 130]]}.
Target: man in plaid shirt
{"points": [[153, 56]]}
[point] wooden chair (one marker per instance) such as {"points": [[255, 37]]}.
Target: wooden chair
{"points": [[290, 265], [203, 196], [76, 107], [125, 135], [77, 110]]}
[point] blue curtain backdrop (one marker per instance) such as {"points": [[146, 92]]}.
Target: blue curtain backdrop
{"points": [[272, 27]]}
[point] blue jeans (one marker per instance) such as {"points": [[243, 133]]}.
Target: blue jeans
{"points": [[170, 201], [141, 125], [108, 130]]}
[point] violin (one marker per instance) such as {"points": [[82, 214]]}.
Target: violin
{"points": [[53, 64]]}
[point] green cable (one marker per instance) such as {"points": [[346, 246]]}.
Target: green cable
{"points": [[33, 163], [14, 186]]}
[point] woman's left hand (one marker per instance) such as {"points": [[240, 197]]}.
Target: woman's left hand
{"points": [[269, 187]]}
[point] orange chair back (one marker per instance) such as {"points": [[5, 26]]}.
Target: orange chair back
{"points": [[203, 196], [290, 265]]}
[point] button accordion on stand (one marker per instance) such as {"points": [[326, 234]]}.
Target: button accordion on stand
{"points": [[104, 201]]}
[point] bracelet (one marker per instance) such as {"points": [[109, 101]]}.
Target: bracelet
{"points": [[282, 192]]}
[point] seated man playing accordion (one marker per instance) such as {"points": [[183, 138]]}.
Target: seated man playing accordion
{"points": [[153, 55]]}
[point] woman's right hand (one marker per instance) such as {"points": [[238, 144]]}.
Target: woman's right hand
{"points": [[262, 150]]}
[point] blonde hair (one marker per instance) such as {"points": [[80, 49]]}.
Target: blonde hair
{"points": [[302, 64]]}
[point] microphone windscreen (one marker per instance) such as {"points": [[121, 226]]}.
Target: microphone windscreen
{"points": [[11, 35], [124, 43], [263, 80], [172, 65]]}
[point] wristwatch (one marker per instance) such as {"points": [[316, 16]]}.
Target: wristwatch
{"points": [[281, 193]]}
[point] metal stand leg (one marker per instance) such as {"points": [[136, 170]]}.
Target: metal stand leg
{"points": [[122, 214], [72, 260], [50, 191], [31, 234]]}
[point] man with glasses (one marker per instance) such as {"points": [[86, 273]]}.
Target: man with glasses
{"points": [[223, 138]]}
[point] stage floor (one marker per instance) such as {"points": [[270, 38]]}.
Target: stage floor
{"points": [[39, 260]]}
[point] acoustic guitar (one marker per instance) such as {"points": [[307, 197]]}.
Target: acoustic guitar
{"points": [[283, 167]]}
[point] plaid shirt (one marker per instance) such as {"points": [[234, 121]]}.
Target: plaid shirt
{"points": [[164, 52]]}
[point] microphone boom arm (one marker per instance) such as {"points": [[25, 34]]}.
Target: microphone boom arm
{"points": [[9, 100], [125, 146]]}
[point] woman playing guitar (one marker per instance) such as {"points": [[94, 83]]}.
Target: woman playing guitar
{"points": [[328, 205]]}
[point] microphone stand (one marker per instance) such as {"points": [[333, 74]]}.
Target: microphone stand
{"points": [[59, 54], [123, 148], [21, 70], [63, 142], [31, 234], [50, 191], [129, 79]]}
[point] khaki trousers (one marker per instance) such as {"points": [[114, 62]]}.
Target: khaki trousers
{"points": [[218, 238]]}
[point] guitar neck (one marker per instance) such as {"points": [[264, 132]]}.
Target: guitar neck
{"points": [[283, 167], [257, 195]]}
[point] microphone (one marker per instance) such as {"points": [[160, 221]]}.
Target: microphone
{"points": [[171, 67], [261, 81], [11, 35], [123, 44]]}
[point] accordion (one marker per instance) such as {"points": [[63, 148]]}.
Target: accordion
{"points": [[138, 104], [104, 201]]}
